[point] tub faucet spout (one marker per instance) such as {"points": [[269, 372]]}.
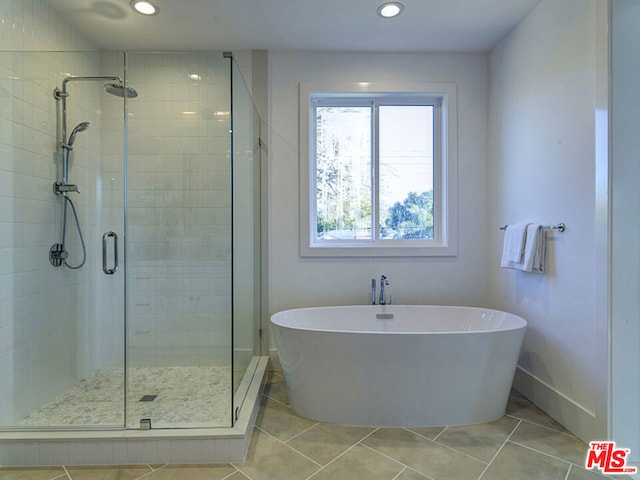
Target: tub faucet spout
{"points": [[383, 282]]}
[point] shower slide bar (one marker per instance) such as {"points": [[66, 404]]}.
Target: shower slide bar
{"points": [[561, 227]]}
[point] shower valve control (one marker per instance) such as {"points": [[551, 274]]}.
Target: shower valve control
{"points": [[59, 188], [57, 254]]}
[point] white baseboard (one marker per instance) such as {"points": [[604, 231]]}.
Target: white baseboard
{"points": [[579, 420]]}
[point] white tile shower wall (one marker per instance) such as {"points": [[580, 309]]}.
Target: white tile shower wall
{"points": [[38, 331], [35, 25], [178, 206]]}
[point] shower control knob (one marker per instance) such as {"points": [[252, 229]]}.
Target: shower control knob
{"points": [[57, 254], [59, 188]]}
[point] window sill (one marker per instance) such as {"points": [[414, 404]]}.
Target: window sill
{"points": [[375, 251]]}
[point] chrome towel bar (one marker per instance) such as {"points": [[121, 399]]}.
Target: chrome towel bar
{"points": [[561, 227]]}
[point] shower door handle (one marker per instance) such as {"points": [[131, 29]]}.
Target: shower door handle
{"points": [[109, 271]]}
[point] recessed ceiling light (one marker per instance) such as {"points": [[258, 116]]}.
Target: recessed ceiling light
{"points": [[390, 9], [145, 7]]}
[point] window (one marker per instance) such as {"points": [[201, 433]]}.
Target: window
{"points": [[378, 172]]}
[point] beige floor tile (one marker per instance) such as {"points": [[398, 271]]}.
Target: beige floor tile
{"points": [[108, 473], [237, 476], [518, 463], [409, 474], [31, 473], [192, 472], [565, 447], [423, 455], [280, 421], [360, 463], [429, 432], [524, 409], [324, 442], [270, 459], [480, 441], [579, 473], [276, 388]]}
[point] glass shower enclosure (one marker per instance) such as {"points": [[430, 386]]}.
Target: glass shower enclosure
{"points": [[129, 240]]}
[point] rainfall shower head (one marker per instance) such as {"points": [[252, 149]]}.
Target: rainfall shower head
{"points": [[81, 127], [119, 90]]}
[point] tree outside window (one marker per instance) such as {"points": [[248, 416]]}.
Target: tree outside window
{"points": [[357, 144]]}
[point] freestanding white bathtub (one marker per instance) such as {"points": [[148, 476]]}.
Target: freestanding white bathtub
{"points": [[398, 365]]}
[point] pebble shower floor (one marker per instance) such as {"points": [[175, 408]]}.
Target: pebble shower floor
{"points": [[181, 397]]}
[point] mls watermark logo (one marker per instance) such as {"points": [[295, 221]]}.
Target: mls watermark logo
{"points": [[609, 459]]}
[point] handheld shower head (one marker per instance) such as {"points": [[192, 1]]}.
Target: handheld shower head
{"points": [[81, 127], [67, 147]]}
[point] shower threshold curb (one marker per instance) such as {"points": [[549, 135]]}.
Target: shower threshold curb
{"points": [[132, 447]]}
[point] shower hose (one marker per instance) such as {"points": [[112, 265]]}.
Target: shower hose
{"points": [[64, 232]]}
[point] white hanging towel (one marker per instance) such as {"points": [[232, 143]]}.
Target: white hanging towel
{"points": [[514, 244], [538, 250], [533, 258]]}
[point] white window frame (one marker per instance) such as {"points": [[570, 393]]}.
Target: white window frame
{"points": [[445, 170]]}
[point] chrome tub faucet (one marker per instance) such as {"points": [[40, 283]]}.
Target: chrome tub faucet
{"points": [[384, 281]]}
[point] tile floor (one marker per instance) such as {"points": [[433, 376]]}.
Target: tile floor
{"points": [[523, 445]]}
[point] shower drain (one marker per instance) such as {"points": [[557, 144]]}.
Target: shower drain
{"points": [[148, 398]]}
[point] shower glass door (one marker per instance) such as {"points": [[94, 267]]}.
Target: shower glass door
{"points": [[61, 190], [246, 161], [179, 242]]}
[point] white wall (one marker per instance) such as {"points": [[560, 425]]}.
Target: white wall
{"points": [[543, 169], [625, 428], [299, 282]]}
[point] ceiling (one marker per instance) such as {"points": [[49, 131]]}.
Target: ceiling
{"points": [[332, 25]]}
